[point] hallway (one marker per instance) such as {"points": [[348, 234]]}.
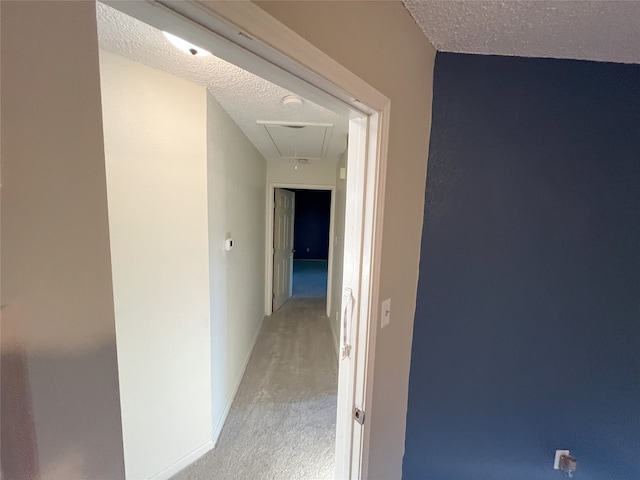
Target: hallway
{"points": [[282, 421]]}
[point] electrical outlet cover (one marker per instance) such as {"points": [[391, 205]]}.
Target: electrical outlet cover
{"points": [[556, 460]]}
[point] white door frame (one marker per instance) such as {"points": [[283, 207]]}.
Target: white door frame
{"points": [[244, 34], [268, 297]]}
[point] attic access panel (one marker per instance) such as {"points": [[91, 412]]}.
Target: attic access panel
{"points": [[299, 139]]}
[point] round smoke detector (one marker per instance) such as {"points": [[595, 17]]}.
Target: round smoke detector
{"points": [[292, 100]]}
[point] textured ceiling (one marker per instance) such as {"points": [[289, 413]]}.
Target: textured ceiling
{"points": [[605, 30], [244, 96]]}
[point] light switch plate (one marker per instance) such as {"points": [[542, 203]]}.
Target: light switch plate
{"points": [[385, 313]]}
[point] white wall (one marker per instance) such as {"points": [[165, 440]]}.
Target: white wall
{"points": [[155, 145], [382, 44], [60, 400], [237, 192], [316, 172], [338, 249]]}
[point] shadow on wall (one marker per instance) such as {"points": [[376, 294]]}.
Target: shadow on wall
{"points": [[18, 446], [71, 431]]}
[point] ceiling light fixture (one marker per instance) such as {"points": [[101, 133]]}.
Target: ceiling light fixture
{"points": [[185, 46], [292, 100], [300, 161]]}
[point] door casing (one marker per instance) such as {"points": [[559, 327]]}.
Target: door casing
{"points": [[268, 306]]}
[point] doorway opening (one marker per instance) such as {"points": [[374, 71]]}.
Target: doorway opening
{"points": [[301, 261], [242, 33], [311, 241]]}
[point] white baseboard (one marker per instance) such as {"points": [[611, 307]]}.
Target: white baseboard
{"points": [[183, 462], [223, 417]]}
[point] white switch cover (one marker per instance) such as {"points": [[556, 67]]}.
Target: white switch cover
{"points": [[385, 313], [556, 460]]}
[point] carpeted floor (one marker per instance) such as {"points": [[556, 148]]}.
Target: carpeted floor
{"points": [[310, 278], [282, 422]]}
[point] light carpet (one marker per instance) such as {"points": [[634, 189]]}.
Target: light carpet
{"points": [[282, 422]]}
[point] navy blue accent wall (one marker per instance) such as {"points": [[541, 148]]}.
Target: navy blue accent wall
{"points": [[527, 326], [311, 224]]}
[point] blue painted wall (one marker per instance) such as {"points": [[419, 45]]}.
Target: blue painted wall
{"points": [[311, 224], [527, 327]]}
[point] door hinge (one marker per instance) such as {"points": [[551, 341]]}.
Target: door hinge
{"points": [[358, 415]]}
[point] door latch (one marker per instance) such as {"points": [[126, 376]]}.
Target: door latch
{"points": [[358, 415]]}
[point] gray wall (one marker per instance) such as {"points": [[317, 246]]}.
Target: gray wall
{"points": [[60, 400], [527, 328]]}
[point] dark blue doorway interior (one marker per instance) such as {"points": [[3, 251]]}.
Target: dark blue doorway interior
{"points": [[311, 242]]}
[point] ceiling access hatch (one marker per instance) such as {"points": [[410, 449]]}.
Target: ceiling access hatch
{"points": [[299, 139]]}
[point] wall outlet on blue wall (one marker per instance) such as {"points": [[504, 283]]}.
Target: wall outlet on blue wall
{"points": [[556, 460]]}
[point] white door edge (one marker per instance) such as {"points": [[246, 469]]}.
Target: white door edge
{"points": [[244, 34]]}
